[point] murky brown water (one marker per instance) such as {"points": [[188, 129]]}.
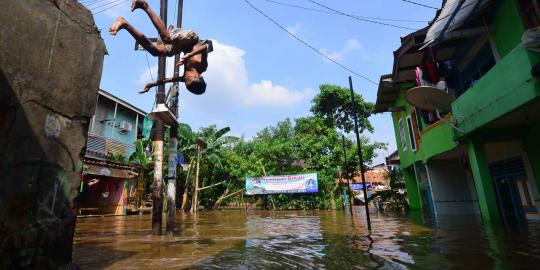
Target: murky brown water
{"points": [[302, 240]]}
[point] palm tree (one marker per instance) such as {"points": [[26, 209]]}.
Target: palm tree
{"points": [[142, 161], [204, 147]]}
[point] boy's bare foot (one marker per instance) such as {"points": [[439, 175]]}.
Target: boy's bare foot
{"points": [[117, 25], [135, 4]]}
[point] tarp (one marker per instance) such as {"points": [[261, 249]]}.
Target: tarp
{"points": [[360, 186], [299, 183], [147, 127]]}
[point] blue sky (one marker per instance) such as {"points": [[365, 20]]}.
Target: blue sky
{"points": [[258, 74]]}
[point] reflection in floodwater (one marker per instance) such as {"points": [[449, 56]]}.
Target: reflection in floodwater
{"points": [[302, 240]]}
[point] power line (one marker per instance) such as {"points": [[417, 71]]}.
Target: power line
{"points": [[307, 44], [419, 4], [360, 19], [331, 12], [85, 2], [148, 66], [110, 7], [89, 4], [106, 4]]}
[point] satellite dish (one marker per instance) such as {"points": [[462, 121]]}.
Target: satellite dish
{"points": [[429, 98]]}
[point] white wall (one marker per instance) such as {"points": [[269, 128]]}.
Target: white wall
{"points": [[451, 187]]}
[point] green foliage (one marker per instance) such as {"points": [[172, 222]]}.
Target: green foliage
{"points": [[118, 157], [303, 145], [334, 105], [392, 199]]}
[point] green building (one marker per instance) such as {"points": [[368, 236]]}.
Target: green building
{"points": [[481, 155]]}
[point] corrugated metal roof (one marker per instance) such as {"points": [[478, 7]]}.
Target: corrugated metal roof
{"points": [[452, 16]]}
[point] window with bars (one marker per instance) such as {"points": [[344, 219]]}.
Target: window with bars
{"points": [[402, 135], [529, 13], [482, 62]]}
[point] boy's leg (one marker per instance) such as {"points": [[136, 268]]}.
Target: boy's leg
{"points": [[156, 20], [153, 49]]}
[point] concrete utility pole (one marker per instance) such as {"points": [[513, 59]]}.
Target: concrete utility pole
{"points": [[351, 200], [157, 196], [360, 158], [173, 142]]}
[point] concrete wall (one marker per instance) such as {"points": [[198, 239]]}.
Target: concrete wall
{"points": [[51, 57], [451, 188]]}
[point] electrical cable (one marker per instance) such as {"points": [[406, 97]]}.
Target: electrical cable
{"points": [[106, 4], [88, 1], [110, 7], [148, 65], [151, 76], [96, 3], [360, 19], [419, 4], [331, 12], [308, 45]]}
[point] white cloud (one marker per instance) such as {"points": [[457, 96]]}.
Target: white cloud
{"points": [[294, 28], [265, 93], [228, 83], [350, 45], [148, 75]]}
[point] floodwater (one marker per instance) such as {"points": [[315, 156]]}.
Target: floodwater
{"points": [[234, 239]]}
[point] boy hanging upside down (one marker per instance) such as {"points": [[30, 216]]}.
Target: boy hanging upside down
{"points": [[171, 41]]}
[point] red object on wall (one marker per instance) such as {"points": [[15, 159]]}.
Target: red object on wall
{"points": [[99, 191]]}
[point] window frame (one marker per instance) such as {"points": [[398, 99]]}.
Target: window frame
{"points": [[412, 137], [402, 135]]}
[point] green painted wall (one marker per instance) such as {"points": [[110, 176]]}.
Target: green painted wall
{"points": [[436, 141], [532, 145], [415, 202], [485, 191], [433, 142], [498, 92], [508, 27]]}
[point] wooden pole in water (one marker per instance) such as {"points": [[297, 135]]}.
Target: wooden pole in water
{"points": [[348, 178], [359, 151], [173, 142], [157, 196]]}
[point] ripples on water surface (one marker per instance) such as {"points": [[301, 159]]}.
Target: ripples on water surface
{"points": [[302, 240]]}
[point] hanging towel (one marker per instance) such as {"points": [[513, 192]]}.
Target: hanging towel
{"points": [[147, 127]]}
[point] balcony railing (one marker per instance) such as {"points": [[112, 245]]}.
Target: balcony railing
{"points": [[101, 147], [507, 86]]}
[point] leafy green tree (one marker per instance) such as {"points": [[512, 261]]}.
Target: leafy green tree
{"points": [[334, 105]]}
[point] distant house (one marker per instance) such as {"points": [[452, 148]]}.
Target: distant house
{"points": [[376, 177], [392, 161], [108, 185]]}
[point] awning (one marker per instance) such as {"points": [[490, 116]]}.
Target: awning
{"points": [[107, 171], [453, 15]]}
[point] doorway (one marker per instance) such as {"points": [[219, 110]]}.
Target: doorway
{"points": [[513, 191]]}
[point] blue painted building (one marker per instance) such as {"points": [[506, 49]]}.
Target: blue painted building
{"points": [[108, 186]]}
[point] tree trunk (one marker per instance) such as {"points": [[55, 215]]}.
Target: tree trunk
{"points": [[184, 199], [195, 202], [218, 202], [186, 188]]}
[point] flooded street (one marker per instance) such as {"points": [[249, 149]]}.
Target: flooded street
{"points": [[303, 240]]}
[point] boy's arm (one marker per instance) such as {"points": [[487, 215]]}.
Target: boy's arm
{"points": [[207, 46], [160, 82]]}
